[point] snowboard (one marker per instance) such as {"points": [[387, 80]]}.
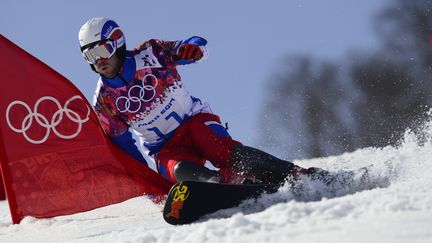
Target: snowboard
{"points": [[188, 201]]}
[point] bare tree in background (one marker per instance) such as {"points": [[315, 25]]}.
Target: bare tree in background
{"points": [[396, 82], [308, 111], [317, 109]]}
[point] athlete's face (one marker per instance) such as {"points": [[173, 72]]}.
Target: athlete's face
{"points": [[108, 67]]}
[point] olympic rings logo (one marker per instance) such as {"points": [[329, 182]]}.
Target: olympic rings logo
{"points": [[43, 121], [142, 91]]}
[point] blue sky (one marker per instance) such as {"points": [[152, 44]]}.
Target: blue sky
{"points": [[247, 41]]}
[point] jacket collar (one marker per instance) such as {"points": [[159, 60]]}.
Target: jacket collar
{"points": [[126, 75]]}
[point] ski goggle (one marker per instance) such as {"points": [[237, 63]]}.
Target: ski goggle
{"points": [[102, 50]]}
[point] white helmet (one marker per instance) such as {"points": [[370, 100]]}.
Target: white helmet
{"points": [[98, 29]]}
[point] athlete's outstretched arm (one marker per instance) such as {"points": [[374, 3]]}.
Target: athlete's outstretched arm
{"points": [[127, 143], [116, 129]]}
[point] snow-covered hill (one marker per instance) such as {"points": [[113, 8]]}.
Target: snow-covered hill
{"points": [[397, 209]]}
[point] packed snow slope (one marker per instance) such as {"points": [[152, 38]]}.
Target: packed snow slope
{"points": [[395, 205]]}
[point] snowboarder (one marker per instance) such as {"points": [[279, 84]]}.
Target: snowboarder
{"points": [[141, 91]]}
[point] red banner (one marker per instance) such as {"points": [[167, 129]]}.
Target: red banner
{"points": [[2, 191], [55, 158]]}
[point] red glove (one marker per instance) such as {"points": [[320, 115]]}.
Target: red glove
{"points": [[190, 52]]}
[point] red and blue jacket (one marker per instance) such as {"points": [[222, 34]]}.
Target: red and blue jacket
{"points": [[147, 97]]}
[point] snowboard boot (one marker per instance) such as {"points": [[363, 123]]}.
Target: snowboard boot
{"points": [[188, 171], [257, 164]]}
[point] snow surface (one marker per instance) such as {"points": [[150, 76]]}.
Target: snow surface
{"points": [[396, 206]]}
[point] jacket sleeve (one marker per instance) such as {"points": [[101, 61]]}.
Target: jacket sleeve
{"points": [[167, 50], [127, 143]]}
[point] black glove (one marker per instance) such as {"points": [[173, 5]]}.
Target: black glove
{"points": [[190, 52]]}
